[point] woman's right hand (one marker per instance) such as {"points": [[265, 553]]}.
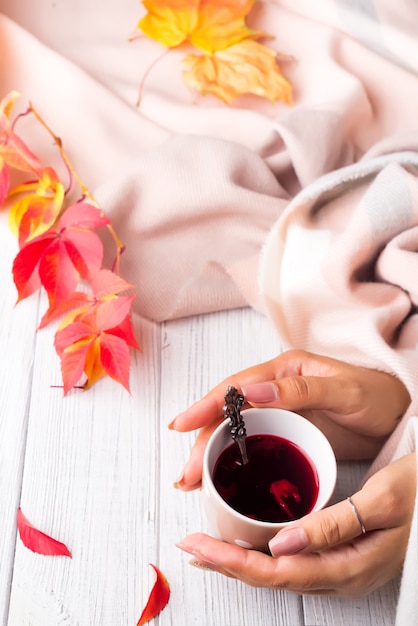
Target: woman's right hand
{"points": [[347, 549], [356, 408]]}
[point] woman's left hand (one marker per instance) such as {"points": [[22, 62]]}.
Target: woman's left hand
{"points": [[326, 552]]}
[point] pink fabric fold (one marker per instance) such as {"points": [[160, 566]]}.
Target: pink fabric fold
{"points": [[185, 253], [193, 239]]}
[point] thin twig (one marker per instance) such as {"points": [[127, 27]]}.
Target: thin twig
{"points": [[120, 246], [145, 76]]}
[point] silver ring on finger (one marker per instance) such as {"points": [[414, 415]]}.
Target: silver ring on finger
{"points": [[357, 514]]}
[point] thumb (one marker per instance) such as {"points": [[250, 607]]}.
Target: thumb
{"points": [[299, 392], [380, 504], [324, 529]]}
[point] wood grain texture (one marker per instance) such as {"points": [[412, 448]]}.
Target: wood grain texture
{"points": [[200, 352], [96, 471], [17, 346], [377, 608]]}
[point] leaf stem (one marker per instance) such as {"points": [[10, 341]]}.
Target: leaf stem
{"points": [[57, 140], [120, 246], [147, 72]]}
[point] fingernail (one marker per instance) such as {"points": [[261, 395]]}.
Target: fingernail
{"points": [[288, 542], [198, 556], [261, 392], [181, 484], [178, 483], [200, 565], [183, 547], [170, 425]]}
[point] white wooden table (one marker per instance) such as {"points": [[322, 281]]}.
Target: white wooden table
{"points": [[95, 470]]}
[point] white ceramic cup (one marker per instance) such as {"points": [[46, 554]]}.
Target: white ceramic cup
{"points": [[227, 524]]}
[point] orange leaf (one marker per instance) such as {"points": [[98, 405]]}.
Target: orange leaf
{"points": [[222, 24], [170, 22], [158, 598], [36, 212], [245, 68], [97, 343], [209, 25], [38, 541], [13, 151], [93, 367], [4, 180]]}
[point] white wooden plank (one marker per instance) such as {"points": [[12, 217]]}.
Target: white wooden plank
{"points": [[17, 340], [90, 480], [98, 475], [199, 353]]}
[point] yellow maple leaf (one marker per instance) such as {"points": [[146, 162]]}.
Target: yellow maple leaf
{"points": [[247, 67], [209, 25]]}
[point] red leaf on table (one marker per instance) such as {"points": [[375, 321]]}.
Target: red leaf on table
{"points": [[158, 598], [38, 541]]}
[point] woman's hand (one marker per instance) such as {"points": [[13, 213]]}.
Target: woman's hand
{"points": [[326, 552], [356, 408]]}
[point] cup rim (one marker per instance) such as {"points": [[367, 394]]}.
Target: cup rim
{"points": [[260, 523]]}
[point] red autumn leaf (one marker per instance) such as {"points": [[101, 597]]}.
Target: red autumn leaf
{"points": [[114, 358], [97, 343], [73, 343], [125, 331], [105, 285], [38, 541], [83, 215], [111, 313], [158, 598], [78, 301], [60, 256]]}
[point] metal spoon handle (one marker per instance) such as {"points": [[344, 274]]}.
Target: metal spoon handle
{"points": [[232, 410]]}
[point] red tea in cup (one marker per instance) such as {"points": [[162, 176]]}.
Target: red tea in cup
{"points": [[278, 484]]}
